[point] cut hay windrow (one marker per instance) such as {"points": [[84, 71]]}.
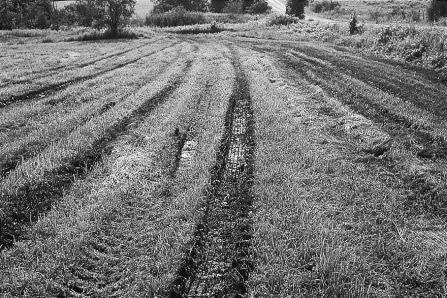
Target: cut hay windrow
{"points": [[389, 111], [23, 148], [47, 72], [52, 88], [31, 189]]}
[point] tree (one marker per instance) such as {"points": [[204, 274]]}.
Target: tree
{"points": [[25, 14], [258, 7], [113, 14], [296, 7], [233, 6], [217, 5], [437, 9]]}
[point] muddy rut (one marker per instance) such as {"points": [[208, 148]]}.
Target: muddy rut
{"points": [[219, 260]]}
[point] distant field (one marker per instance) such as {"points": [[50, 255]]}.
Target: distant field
{"points": [[142, 7]]}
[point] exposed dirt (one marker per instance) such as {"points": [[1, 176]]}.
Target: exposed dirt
{"points": [[219, 260]]}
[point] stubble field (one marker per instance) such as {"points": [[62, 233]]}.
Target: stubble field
{"points": [[216, 166]]}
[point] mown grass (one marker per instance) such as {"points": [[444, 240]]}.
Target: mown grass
{"points": [[130, 212], [64, 112], [58, 63], [46, 84], [327, 225], [36, 183]]}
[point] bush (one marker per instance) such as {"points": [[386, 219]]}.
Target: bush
{"points": [[415, 16], [436, 10], [96, 35], [296, 7], [47, 40], [385, 35], [325, 6], [375, 15], [259, 7], [283, 20], [234, 6], [217, 5], [230, 18], [176, 17], [110, 14], [9, 20]]}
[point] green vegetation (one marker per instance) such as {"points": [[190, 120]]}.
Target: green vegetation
{"points": [[436, 9], [311, 160], [29, 14], [325, 6], [161, 6], [296, 7], [176, 17], [97, 35], [334, 222], [111, 14], [259, 7], [144, 177], [282, 20]]}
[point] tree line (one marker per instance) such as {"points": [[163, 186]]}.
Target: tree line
{"points": [[42, 14]]}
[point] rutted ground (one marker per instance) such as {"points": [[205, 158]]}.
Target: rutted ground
{"points": [[226, 169]]}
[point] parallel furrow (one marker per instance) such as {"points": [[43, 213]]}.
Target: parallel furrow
{"points": [[10, 159], [69, 67], [52, 88], [25, 204]]}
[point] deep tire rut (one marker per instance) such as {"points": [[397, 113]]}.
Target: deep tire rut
{"points": [[219, 259]]}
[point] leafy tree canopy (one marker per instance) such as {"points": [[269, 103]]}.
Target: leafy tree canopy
{"points": [[296, 7], [111, 14]]}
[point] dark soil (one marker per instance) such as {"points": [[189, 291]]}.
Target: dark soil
{"points": [[218, 260]]}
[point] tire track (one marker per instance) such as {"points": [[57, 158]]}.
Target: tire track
{"points": [[219, 259], [26, 204], [52, 88]]}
